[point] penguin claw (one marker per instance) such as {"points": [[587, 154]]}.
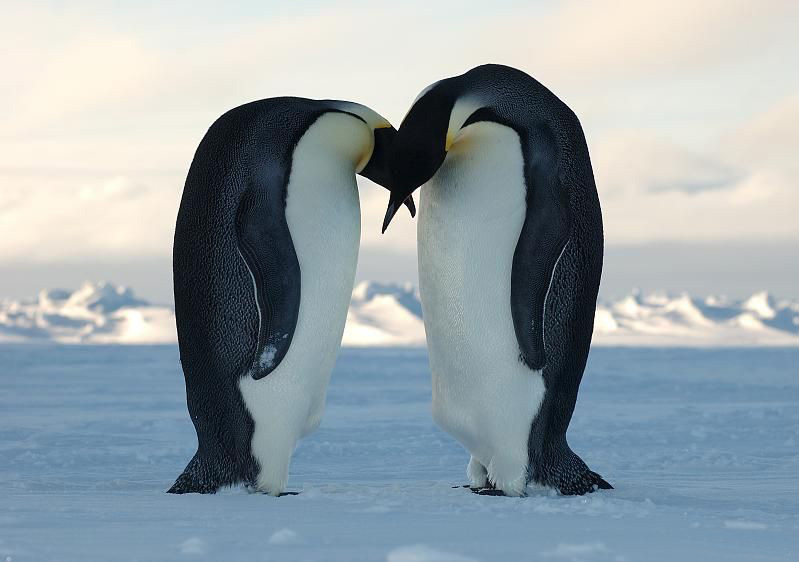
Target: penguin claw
{"points": [[281, 494]]}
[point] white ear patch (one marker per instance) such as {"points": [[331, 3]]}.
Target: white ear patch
{"points": [[463, 108]]}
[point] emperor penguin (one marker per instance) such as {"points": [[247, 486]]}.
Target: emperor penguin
{"points": [[510, 255], [265, 249]]}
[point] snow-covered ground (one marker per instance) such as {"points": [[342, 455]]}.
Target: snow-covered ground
{"points": [[387, 315], [701, 445]]}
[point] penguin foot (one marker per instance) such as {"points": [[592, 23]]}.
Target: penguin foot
{"points": [[476, 473], [253, 489], [275, 490], [483, 491], [508, 474], [488, 492], [273, 475]]}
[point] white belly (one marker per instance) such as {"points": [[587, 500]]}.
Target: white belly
{"points": [[323, 215], [470, 216]]}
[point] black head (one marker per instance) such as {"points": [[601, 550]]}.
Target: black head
{"points": [[419, 147], [377, 168]]}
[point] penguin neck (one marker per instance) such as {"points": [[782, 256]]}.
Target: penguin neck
{"points": [[322, 204], [372, 118], [335, 141]]}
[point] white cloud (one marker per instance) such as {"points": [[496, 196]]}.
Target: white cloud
{"points": [[114, 104], [634, 37], [651, 190], [68, 65], [760, 207], [79, 78], [770, 140], [67, 219], [46, 219], [635, 161], [743, 188]]}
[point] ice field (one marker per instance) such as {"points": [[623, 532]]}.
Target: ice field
{"points": [[390, 315], [701, 445]]}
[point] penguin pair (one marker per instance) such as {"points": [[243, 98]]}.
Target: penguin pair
{"points": [[510, 253]]}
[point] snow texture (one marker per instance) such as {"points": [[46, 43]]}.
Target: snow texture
{"points": [[700, 444], [389, 315]]}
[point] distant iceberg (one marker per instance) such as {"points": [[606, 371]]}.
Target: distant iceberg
{"points": [[95, 313], [658, 319], [390, 315], [385, 315]]}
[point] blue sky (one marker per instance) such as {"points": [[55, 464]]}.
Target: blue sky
{"points": [[691, 111]]}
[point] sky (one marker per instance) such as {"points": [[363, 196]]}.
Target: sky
{"points": [[690, 110]]}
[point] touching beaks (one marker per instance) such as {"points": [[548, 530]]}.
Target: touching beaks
{"points": [[390, 212], [393, 206]]}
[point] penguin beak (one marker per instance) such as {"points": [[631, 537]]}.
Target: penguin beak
{"points": [[393, 206], [377, 167], [411, 207]]}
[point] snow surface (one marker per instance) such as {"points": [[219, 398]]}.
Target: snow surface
{"points": [[390, 315], [700, 444]]}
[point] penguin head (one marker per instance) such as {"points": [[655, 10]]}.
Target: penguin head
{"points": [[420, 146], [376, 168]]}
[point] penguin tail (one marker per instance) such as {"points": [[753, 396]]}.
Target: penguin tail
{"points": [[199, 477], [567, 473]]}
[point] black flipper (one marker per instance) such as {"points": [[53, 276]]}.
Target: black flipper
{"points": [[544, 235], [264, 242]]}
